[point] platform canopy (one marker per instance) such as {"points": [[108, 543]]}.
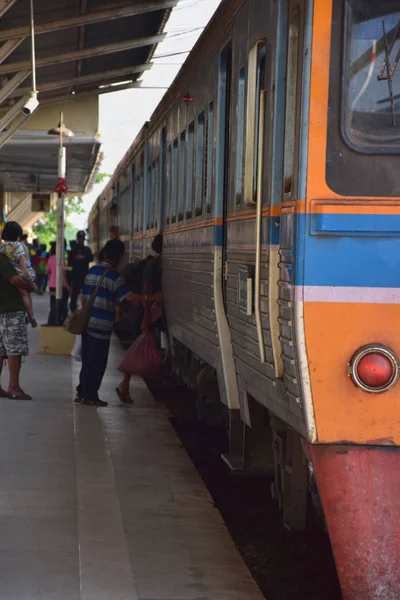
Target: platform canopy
{"points": [[83, 48]]}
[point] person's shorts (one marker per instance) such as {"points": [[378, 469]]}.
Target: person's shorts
{"points": [[14, 334]]}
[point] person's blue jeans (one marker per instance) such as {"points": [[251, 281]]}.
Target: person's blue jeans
{"points": [[94, 364]]}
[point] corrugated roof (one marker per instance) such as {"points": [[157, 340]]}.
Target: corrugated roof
{"points": [[82, 47]]}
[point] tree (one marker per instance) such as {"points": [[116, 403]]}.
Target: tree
{"points": [[47, 232], [100, 177]]}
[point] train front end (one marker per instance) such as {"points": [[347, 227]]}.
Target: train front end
{"points": [[348, 287]]}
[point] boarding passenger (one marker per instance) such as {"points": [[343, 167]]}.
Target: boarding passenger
{"points": [[13, 249], [153, 313], [79, 260], [13, 326], [96, 338]]}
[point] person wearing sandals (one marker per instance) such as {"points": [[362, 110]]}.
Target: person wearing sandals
{"points": [[96, 338], [13, 327], [12, 248], [151, 318]]}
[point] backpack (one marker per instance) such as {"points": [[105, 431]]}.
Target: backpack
{"points": [[41, 266], [133, 274]]}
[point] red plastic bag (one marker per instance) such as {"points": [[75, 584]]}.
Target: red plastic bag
{"points": [[143, 358]]}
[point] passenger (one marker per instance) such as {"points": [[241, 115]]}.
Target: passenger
{"points": [[51, 272], [153, 315], [96, 338], [13, 329], [40, 266], [79, 260], [13, 249]]}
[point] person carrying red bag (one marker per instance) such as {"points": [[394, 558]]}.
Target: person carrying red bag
{"points": [[144, 349]]}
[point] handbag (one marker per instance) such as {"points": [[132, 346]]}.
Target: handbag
{"points": [[143, 358], [77, 321]]}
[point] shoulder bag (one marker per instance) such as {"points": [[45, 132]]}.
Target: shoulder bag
{"points": [[77, 321]]}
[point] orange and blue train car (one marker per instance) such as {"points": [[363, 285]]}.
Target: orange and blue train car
{"points": [[272, 168]]}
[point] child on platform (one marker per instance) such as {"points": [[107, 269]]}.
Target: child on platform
{"points": [[14, 250]]}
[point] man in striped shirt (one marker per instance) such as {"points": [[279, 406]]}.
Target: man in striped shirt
{"points": [[96, 338]]}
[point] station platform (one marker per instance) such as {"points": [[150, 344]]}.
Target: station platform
{"points": [[104, 504]]}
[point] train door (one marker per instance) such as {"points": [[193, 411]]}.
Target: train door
{"points": [[226, 369], [290, 186], [223, 150]]}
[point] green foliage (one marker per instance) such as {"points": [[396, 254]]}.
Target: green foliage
{"points": [[47, 232], [100, 177]]}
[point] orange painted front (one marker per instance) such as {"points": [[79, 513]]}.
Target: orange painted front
{"points": [[343, 412], [334, 331]]}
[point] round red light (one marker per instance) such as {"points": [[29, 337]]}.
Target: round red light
{"points": [[375, 370]]}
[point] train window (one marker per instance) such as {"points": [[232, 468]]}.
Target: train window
{"points": [[240, 136], [149, 198], [156, 193], [136, 203], [199, 165], [255, 87], [174, 181], [133, 200], [168, 184], [189, 172], [292, 76], [153, 196], [209, 157], [371, 115], [181, 175]]}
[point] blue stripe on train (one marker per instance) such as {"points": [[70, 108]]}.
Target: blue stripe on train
{"points": [[350, 250]]}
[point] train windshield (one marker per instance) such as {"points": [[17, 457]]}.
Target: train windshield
{"points": [[372, 76]]}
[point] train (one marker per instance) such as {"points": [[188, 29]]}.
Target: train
{"points": [[271, 166]]}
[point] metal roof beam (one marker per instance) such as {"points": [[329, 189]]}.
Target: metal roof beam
{"points": [[5, 135], [99, 78], [95, 90], [7, 91], [88, 19], [12, 113], [8, 47], [85, 53], [5, 5]]}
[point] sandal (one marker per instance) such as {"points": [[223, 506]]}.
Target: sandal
{"points": [[21, 396], [125, 398]]}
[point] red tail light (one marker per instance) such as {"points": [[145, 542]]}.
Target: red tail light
{"points": [[374, 368]]}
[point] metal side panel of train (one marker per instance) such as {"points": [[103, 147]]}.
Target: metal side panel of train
{"points": [[272, 168]]}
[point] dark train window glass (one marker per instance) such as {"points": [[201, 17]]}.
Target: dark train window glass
{"points": [[133, 199], [292, 76], [259, 89], [189, 171], [174, 180], [149, 198], [199, 165], [168, 184], [372, 76], [255, 88], [181, 175], [156, 193], [153, 196], [209, 158], [240, 136]]}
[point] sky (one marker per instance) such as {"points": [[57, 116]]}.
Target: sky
{"points": [[122, 114]]}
